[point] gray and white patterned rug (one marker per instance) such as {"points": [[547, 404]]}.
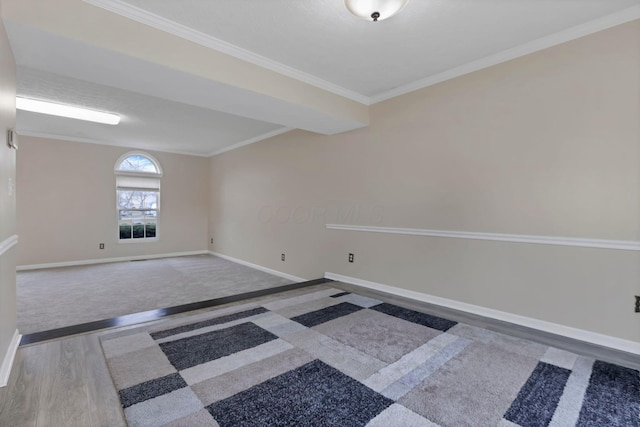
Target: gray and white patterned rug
{"points": [[330, 358]]}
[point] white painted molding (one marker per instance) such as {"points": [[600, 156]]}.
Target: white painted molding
{"points": [[541, 325], [107, 260], [8, 243], [251, 141], [625, 245], [259, 267], [573, 33], [158, 22], [9, 357], [137, 14], [46, 135]]}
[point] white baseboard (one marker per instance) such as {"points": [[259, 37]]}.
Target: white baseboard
{"points": [[9, 357], [259, 267], [541, 325], [107, 260]]}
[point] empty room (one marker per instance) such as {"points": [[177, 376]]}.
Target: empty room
{"points": [[412, 213]]}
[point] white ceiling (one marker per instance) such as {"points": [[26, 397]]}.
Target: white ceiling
{"points": [[316, 42], [146, 122]]}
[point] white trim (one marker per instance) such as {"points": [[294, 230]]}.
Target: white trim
{"points": [[95, 141], [184, 153], [541, 325], [107, 260], [9, 357], [8, 243], [251, 141], [140, 15], [625, 245], [259, 267], [163, 24], [551, 40]]}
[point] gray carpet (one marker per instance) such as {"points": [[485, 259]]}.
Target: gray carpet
{"points": [[58, 297], [326, 358]]}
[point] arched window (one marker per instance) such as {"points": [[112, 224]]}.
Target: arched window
{"points": [[138, 196]]}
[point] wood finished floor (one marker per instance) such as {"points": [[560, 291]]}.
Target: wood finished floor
{"points": [[61, 383], [66, 383]]}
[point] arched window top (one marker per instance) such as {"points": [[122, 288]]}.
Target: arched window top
{"points": [[137, 162]]}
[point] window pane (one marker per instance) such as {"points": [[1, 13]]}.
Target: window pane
{"points": [[150, 221], [138, 231], [132, 199], [125, 230], [137, 224], [137, 164], [150, 230]]}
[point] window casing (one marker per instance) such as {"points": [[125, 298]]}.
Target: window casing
{"points": [[137, 197]]}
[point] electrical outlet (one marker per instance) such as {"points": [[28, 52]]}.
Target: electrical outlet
{"points": [[350, 257], [101, 245], [637, 304], [212, 240], [282, 257]]}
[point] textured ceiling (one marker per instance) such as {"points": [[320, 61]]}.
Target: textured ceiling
{"points": [[220, 74]]}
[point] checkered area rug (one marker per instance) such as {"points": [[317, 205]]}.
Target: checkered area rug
{"points": [[331, 358]]}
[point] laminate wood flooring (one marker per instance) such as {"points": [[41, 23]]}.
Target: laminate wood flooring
{"points": [[61, 383], [66, 382]]}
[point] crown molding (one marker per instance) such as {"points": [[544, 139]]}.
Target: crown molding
{"points": [[158, 22], [95, 141], [625, 245], [582, 30], [251, 141], [184, 153], [137, 14]]}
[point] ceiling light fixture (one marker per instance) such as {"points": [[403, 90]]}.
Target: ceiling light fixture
{"points": [[61, 110], [375, 10]]}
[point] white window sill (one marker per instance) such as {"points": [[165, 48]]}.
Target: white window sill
{"points": [[145, 240]]}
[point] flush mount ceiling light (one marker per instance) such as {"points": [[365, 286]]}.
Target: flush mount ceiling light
{"points": [[61, 110], [375, 10]]}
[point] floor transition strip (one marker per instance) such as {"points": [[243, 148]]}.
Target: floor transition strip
{"points": [[146, 316]]}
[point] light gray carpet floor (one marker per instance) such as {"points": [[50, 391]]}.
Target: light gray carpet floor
{"points": [[58, 297]]}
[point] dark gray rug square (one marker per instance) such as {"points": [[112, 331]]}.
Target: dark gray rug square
{"points": [[314, 394]]}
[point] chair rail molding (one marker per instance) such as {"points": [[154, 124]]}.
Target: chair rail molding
{"points": [[8, 243], [626, 245]]}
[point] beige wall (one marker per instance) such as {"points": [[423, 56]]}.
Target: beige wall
{"points": [[7, 201], [67, 203], [547, 144]]}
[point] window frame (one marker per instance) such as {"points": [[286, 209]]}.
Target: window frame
{"points": [[152, 176]]}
